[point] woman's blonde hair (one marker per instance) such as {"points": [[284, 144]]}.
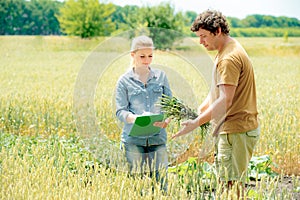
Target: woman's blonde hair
{"points": [[141, 42]]}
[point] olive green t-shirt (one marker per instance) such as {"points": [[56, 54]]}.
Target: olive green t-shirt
{"points": [[233, 67]]}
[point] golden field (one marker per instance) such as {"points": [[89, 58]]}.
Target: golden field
{"points": [[40, 74]]}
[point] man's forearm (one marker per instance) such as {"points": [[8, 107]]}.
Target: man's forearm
{"points": [[204, 105]]}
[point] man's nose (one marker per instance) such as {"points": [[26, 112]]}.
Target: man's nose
{"points": [[201, 40]]}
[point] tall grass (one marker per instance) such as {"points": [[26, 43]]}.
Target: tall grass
{"points": [[38, 75], [58, 168]]}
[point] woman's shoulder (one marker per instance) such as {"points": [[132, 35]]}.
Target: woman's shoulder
{"points": [[126, 74], [157, 71]]}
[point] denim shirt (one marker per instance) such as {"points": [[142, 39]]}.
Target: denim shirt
{"points": [[133, 96]]}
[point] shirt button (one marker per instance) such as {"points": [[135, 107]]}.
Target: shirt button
{"points": [[147, 97]]}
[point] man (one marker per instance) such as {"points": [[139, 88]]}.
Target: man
{"points": [[231, 103]]}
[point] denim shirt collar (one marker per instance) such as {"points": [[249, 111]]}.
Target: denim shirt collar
{"points": [[134, 76]]}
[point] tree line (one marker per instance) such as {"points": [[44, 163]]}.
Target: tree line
{"points": [[90, 18]]}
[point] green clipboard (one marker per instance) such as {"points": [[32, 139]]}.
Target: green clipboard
{"points": [[143, 125]]}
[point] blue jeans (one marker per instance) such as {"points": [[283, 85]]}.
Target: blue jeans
{"points": [[143, 159]]}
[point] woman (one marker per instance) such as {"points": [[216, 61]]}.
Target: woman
{"points": [[138, 92]]}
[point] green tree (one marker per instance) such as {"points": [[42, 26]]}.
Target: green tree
{"points": [[268, 21], [35, 17], [126, 17], [86, 18], [14, 17], [189, 17], [170, 24], [234, 22], [43, 19], [164, 25], [253, 21]]}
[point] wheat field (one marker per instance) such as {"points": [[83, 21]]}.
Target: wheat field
{"points": [[41, 152]]}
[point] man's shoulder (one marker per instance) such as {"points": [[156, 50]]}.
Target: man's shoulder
{"points": [[233, 50]]}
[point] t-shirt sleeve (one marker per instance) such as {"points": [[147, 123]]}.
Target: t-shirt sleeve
{"points": [[228, 73]]}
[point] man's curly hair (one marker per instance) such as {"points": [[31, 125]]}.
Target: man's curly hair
{"points": [[211, 20]]}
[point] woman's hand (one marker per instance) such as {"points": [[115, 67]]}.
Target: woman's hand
{"points": [[162, 124], [131, 118]]}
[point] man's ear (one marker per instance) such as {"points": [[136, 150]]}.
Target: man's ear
{"points": [[219, 31]]}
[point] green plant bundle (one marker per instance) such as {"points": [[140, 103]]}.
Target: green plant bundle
{"points": [[176, 109]]}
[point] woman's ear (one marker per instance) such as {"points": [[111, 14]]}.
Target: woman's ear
{"points": [[132, 54]]}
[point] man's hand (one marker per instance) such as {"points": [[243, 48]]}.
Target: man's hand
{"points": [[188, 126]]}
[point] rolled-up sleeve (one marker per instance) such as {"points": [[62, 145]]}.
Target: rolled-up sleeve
{"points": [[167, 90], [122, 103]]}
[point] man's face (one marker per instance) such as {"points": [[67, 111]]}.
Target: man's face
{"points": [[207, 39]]}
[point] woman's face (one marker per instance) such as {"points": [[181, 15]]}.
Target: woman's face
{"points": [[142, 57]]}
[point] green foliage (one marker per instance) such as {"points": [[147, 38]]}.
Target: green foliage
{"points": [[68, 147], [126, 17], [35, 17], [86, 18], [234, 22], [260, 166], [43, 17], [25, 161], [261, 21], [164, 25], [190, 16], [286, 36], [254, 21], [178, 110], [264, 32], [89, 18], [14, 15], [163, 17], [192, 174], [269, 21]]}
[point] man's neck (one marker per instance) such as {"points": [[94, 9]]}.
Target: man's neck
{"points": [[223, 42]]}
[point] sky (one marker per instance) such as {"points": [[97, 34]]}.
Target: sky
{"points": [[230, 8]]}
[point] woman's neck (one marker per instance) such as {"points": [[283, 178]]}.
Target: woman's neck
{"points": [[142, 73]]}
